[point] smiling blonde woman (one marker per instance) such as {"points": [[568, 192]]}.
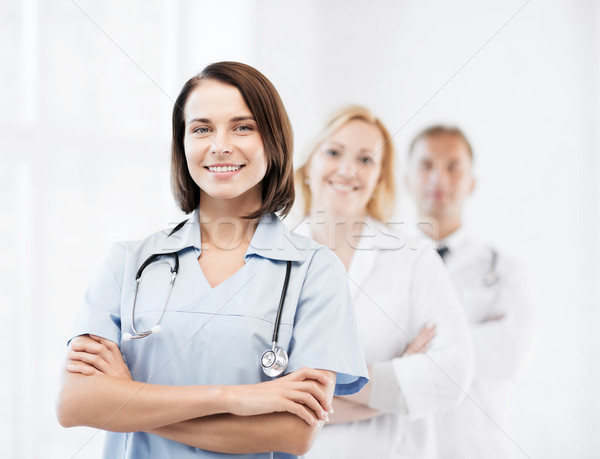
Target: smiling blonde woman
{"points": [[412, 331]]}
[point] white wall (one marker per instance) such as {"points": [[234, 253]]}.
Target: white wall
{"points": [[85, 103]]}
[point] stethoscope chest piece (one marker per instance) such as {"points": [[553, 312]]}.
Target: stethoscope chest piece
{"points": [[274, 361]]}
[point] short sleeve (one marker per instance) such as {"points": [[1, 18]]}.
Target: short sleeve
{"points": [[325, 334], [101, 312]]}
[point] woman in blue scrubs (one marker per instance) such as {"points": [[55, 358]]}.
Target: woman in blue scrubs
{"points": [[195, 386]]}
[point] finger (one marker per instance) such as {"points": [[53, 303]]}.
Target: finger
{"points": [[310, 402], [317, 375], [93, 347], [91, 359], [316, 391], [110, 345], [82, 369], [302, 412]]}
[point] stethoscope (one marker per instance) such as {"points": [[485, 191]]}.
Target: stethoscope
{"points": [[492, 276], [273, 361]]}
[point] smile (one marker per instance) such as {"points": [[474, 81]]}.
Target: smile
{"points": [[342, 187], [224, 168]]}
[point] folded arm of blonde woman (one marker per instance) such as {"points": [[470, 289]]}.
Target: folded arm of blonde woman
{"points": [[356, 407]]}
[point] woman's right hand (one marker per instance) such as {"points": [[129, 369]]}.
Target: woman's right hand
{"points": [[421, 342], [307, 393]]}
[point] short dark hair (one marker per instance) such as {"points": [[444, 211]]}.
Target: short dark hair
{"points": [[274, 127], [441, 129]]}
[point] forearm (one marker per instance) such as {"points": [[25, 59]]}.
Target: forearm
{"points": [[227, 433], [346, 410], [119, 405]]}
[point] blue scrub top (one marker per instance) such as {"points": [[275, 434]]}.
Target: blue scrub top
{"points": [[217, 335]]}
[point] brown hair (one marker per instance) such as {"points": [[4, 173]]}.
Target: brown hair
{"points": [[274, 127], [381, 205], [438, 130]]}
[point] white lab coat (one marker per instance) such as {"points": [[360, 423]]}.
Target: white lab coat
{"points": [[398, 286], [474, 428]]}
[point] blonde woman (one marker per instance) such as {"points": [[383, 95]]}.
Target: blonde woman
{"points": [[413, 334]]}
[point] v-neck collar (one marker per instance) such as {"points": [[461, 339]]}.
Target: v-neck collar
{"points": [[271, 239]]}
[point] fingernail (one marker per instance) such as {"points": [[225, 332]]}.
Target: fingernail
{"points": [[320, 423], [70, 367], [331, 410], [326, 418]]}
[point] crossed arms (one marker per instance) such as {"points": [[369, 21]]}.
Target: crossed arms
{"points": [[280, 415]]}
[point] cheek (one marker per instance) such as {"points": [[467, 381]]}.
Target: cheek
{"points": [[321, 168], [314, 170], [371, 178], [193, 149]]}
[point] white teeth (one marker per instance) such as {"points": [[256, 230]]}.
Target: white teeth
{"points": [[224, 168], [341, 187]]}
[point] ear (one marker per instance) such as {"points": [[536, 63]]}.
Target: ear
{"points": [[472, 186]]}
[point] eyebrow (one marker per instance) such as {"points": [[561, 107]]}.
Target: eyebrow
{"points": [[336, 143], [232, 120]]}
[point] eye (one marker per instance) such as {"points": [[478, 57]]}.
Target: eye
{"points": [[244, 128], [366, 160], [425, 165], [201, 130], [331, 152], [454, 167]]}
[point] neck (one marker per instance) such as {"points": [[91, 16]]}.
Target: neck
{"points": [[222, 222], [443, 226], [339, 234]]}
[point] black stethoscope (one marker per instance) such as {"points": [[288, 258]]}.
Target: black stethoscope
{"points": [[273, 361]]}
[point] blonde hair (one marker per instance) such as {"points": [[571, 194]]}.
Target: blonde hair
{"points": [[381, 204]]}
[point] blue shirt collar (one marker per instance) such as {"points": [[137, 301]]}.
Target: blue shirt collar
{"points": [[271, 239]]}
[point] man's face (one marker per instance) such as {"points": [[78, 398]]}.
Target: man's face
{"points": [[439, 175]]}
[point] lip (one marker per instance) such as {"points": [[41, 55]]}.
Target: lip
{"points": [[438, 195], [346, 188], [224, 174]]}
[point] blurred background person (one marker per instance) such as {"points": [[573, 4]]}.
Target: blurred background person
{"points": [[413, 333], [491, 286]]}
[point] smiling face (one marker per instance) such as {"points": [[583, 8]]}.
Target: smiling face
{"points": [[345, 170], [439, 176], [223, 148]]}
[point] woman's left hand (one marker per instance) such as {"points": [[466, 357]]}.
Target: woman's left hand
{"points": [[91, 354]]}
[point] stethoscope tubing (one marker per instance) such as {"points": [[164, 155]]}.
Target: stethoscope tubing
{"points": [[138, 277]]}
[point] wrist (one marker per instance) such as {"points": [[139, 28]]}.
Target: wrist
{"points": [[225, 397]]}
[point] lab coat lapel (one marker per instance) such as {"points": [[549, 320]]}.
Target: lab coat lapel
{"points": [[361, 266], [373, 238]]}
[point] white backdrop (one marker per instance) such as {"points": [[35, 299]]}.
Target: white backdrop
{"points": [[85, 103]]}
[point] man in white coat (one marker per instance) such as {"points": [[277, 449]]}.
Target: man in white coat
{"points": [[492, 289]]}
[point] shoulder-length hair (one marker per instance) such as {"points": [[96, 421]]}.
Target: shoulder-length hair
{"points": [[274, 127], [381, 205]]}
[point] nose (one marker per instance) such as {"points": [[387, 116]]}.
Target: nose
{"points": [[220, 145], [345, 168], [439, 176]]}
